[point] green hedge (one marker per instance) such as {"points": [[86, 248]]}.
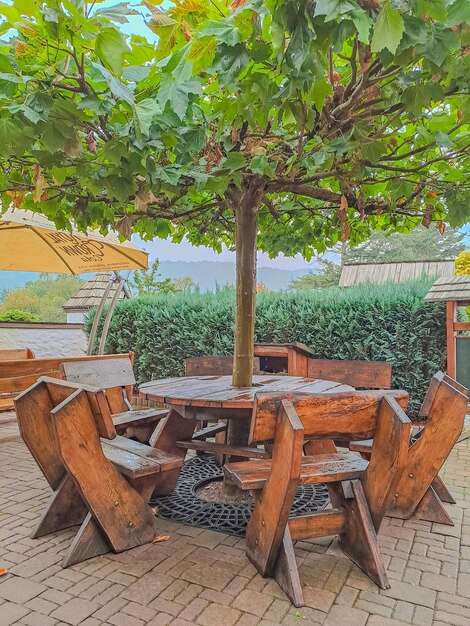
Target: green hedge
{"points": [[372, 322]]}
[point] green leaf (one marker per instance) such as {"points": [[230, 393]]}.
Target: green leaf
{"points": [[202, 53], [10, 134], [363, 23], [458, 13], [193, 140], [443, 140], [332, 9], [223, 31], [373, 151], [111, 48], [177, 93], [318, 93], [458, 207], [117, 13], [118, 89], [234, 161], [144, 112], [41, 103], [440, 41], [388, 29]]}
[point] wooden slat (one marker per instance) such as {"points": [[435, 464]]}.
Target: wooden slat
{"points": [[217, 365], [222, 448], [316, 469], [333, 416], [209, 431], [321, 524], [138, 417], [365, 374], [104, 373], [164, 460], [14, 354]]}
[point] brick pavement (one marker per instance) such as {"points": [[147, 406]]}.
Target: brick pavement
{"points": [[203, 578]]}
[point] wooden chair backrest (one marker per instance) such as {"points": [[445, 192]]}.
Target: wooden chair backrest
{"points": [[359, 374], [351, 415], [436, 380], [19, 374], [33, 407], [214, 365], [15, 354], [115, 376]]}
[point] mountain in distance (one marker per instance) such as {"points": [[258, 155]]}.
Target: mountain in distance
{"points": [[207, 274]]}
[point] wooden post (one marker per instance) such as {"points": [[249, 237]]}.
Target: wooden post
{"points": [[451, 338]]}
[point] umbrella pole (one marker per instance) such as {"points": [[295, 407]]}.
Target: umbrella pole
{"points": [[112, 306], [99, 310]]}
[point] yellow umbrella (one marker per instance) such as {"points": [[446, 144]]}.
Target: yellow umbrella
{"points": [[29, 242]]}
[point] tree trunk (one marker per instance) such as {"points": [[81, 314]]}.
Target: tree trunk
{"points": [[246, 230]]}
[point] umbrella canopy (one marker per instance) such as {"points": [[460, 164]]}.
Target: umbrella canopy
{"points": [[29, 242]]}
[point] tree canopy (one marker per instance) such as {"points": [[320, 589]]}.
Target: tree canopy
{"points": [[42, 298], [334, 117], [328, 276], [146, 282], [421, 244]]}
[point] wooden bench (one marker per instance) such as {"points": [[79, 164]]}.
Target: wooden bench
{"points": [[103, 484], [360, 491], [19, 374], [421, 490], [12, 354], [359, 374], [116, 378]]}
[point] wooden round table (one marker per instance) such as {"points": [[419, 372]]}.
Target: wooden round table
{"points": [[213, 398]]}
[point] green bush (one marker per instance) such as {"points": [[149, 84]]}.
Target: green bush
{"points": [[371, 322], [17, 315]]}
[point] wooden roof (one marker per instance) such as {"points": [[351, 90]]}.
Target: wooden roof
{"points": [[91, 293], [455, 288], [358, 273]]}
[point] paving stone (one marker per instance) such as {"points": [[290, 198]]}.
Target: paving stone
{"points": [[410, 593], [463, 585], [437, 582], [75, 611], [20, 590], [252, 602], [146, 588], [11, 613], [37, 619], [376, 620], [342, 615], [123, 619], [218, 615]]}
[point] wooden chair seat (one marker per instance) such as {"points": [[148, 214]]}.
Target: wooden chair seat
{"points": [[134, 459], [138, 417], [321, 468]]}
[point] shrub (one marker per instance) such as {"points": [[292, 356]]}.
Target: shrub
{"points": [[371, 322], [17, 315]]}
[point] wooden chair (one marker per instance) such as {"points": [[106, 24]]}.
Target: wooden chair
{"points": [[421, 490], [116, 378], [360, 491], [359, 374], [104, 485]]}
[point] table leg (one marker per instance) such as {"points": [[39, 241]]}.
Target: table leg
{"points": [[176, 427]]}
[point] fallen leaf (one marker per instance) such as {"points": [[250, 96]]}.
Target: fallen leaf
{"points": [[155, 510], [159, 538], [3, 571]]}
